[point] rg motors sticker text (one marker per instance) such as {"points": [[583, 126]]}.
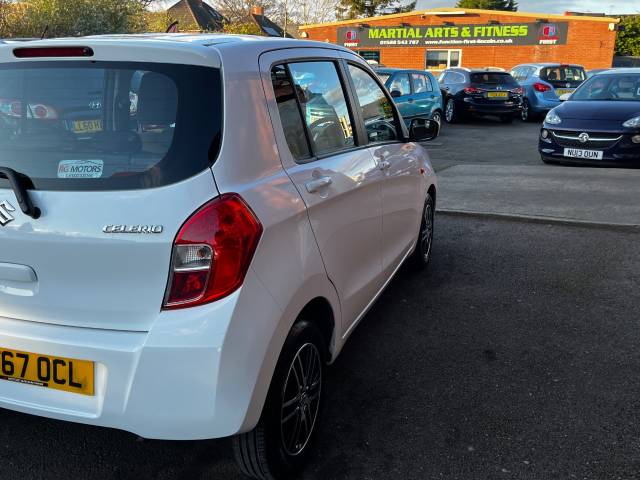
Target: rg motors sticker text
{"points": [[80, 169]]}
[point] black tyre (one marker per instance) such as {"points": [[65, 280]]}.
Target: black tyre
{"points": [[526, 114], [437, 117], [279, 446], [451, 112], [421, 256]]}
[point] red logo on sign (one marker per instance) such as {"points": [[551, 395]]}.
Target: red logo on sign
{"points": [[549, 31], [352, 35]]}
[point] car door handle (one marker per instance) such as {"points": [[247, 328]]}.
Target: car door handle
{"points": [[384, 164], [317, 184], [410, 100]]}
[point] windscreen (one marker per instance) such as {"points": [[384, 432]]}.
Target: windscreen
{"points": [[563, 76], [108, 125], [493, 78], [624, 88]]}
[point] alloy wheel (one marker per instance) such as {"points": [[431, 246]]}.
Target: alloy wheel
{"points": [[525, 111], [426, 232], [449, 111], [301, 399], [436, 117]]}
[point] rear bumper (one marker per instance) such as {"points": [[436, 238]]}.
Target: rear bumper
{"points": [[192, 376], [498, 108]]}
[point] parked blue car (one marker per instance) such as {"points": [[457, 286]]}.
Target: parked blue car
{"points": [[415, 92], [544, 84], [598, 125]]}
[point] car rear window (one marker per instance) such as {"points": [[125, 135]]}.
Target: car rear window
{"points": [[563, 74], [108, 125], [493, 78]]}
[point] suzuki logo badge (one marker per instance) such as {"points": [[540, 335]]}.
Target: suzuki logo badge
{"points": [[5, 213], [583, 137]]}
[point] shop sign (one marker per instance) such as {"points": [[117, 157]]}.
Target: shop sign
{"points": [[507, 34]]}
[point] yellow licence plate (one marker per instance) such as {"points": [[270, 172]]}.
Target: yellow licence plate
{"points": [[87, 126], [562, 91], [497, 94], [58, 373]]}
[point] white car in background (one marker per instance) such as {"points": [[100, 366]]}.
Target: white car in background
{"points": [[185, 269]]}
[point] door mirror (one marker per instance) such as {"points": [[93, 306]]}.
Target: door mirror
{"points": [[396, 93], [423, 130]]}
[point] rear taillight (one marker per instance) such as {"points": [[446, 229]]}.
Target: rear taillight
{"points": [[212, 252], [472, 90], [541, 87]]}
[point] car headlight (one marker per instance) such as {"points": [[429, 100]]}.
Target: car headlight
{"points": [[553, 118], [632, 123]]}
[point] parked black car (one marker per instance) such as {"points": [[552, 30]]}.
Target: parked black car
{"points": [[599, 124], [480, 92]]}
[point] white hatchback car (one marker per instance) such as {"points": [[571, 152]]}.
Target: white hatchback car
{"points": [[192, 226]]}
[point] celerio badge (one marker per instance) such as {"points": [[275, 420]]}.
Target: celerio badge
{"points": [[5, 212]]}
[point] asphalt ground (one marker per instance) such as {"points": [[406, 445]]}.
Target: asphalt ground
{"points": [[485, 141], [515, 356]]}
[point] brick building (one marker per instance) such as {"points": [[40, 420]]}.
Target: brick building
{"points": [[447, 37]]}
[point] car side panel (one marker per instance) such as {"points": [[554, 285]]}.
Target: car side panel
{"points": [[287, 261]]}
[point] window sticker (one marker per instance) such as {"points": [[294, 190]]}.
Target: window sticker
{"points": [[80, 169]]}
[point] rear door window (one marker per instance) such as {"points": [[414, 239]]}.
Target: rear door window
{"points": [[108, 125], [421, 83], [324, 106]]}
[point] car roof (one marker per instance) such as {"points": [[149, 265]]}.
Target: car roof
{"points": [[391, 70], [542, 65], [616, 71], [220, 40]]}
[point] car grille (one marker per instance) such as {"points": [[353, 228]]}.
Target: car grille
{"points": [[571, 139]]}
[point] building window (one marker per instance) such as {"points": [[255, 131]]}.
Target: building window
{"points": [[370, 55], [442, 59]]}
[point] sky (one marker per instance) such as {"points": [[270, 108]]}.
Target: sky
{"points": [[555, 6]]}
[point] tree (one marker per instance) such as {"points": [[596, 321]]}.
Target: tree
{"points": [[74, 17], [628, 41], [369, 8], [509, 5]]}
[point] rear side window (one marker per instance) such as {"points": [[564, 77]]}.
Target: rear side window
{"points": [[323, 105], [421, 83], [108, 125], [290, 115], [492, 78]]}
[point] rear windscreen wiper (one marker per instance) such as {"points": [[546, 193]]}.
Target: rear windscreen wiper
{"points": [[16, 180]]}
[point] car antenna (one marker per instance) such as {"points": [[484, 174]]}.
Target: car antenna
{"points": [[44, 32], [173, 28]]}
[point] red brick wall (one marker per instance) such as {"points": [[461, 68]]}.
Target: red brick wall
{"points": [[590, 43]]}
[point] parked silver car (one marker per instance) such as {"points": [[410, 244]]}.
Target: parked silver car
{"points": [[192, 226]]}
